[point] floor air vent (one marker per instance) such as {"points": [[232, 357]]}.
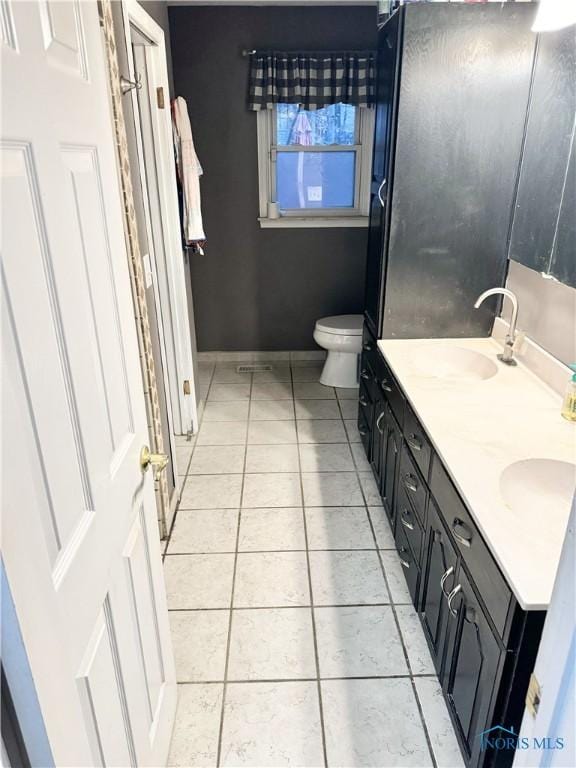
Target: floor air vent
{"points": [[253, 368]]}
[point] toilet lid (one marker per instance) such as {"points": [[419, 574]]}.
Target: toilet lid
{"points": [[345, 325]]}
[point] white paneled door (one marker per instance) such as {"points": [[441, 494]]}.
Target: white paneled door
{"points": [[79, 534]]}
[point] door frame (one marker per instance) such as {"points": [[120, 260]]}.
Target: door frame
{"points": [[168, 262]]}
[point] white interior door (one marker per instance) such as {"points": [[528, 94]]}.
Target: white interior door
{"points": [[80, 541], [146, 59]]}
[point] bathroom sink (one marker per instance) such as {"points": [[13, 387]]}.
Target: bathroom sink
{"points": [[440, 361], [546, 485]]}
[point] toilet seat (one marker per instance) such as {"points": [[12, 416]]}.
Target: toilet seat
{"points": [[341, 325]]}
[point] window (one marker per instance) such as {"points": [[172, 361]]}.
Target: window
{"points": [[315, 165]]}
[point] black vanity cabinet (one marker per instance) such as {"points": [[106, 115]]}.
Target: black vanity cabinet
{"points": [[472, 667], [451, 98], [483, 644]]}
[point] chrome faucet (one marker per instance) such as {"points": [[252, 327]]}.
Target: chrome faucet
{"points": [[507, 355]]}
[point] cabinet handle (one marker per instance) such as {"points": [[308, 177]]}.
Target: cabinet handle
{"points": [[406, 523], [414, 442], [410, 482], [451, 596], [403, 562], [365, 374], [461, 532], [380, 192], [367, 347], [385, 386], [378, 420], [362, 431], [362, 400], [445, 575]]}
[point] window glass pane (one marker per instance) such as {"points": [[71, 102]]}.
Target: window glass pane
{"points": [[315, 179], [335, 124]]}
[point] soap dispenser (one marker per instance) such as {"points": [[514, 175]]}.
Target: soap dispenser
{"points": [[569, 404]]}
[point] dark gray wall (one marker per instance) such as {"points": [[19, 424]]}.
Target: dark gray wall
{"points": [[258, 289]]}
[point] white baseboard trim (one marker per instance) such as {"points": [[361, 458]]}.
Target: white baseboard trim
{"points": [[254, 357]]}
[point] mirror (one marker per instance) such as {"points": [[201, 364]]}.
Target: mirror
{"points": [[543, 231]]}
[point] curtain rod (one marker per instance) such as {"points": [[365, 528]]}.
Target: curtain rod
{"points": [[253, 51]]}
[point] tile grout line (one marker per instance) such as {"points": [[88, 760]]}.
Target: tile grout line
{"points": [[273, 551], [394, 613], [292, 607], [302, 679], [312, 615], [234, 570]]}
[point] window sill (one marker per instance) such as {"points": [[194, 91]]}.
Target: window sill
{"points": [[291, 222]]}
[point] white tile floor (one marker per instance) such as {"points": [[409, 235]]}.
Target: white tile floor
{"points": [[295, 640]]}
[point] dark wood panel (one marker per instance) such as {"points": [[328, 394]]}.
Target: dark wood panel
{"points": [[414, 486], [417, 441], [473, 667], [390, 464], [410, 521], [392, 391], [464, 88], [549, 130], [388, 54], [440, 563]]}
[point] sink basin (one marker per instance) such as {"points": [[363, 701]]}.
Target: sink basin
{"points": [[543, 484], [440, 361]]}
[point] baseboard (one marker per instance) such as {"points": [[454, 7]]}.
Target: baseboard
{"points": [[253, 357]]}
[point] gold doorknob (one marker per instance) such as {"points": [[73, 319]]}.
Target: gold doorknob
{"points": [[158, 460]]}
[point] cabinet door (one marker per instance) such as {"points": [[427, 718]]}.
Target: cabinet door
{"points": [[365, 417], [439, 566], [387, 65], [472, 668], [379, 428], [390, 460]]}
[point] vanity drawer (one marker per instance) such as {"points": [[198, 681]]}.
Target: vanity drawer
{"points": [[391, 390], [369, 347], [407, 518], [491, 585], [417, 441], [369, 363], [408, 563], [410, 481]]}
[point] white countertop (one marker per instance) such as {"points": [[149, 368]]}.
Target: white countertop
{"points": [[479, 428]]}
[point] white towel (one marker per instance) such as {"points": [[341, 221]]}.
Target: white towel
{"points": [[189, 172]]}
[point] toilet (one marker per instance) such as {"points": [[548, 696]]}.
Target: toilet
{"points": [[341, 336]]}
